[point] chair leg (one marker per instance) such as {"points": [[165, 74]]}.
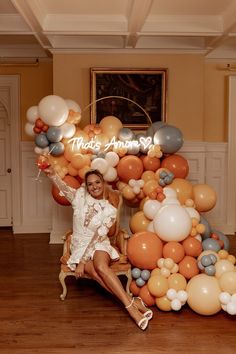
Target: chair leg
{"points": [[129, 280], [62, 277]]}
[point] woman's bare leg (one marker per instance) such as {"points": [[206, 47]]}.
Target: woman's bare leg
{"points": [[90, 270], [101, 263]]}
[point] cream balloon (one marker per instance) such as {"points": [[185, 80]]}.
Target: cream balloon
{"points": [[151, 208], [72, 105], [222, 266], [32, 114], [53, 110], [68, 130], [29, 129], [100, 164], [203, 294], [172, 223], [227, 282]]}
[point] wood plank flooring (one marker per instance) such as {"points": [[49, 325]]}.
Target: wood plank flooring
{"points": [[33, 319]]}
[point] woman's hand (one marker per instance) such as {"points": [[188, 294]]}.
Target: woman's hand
{"points": [[79, 271]]}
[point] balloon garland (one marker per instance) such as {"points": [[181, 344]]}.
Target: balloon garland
{"points": [[177, 257]]}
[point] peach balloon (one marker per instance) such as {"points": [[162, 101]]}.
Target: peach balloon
{"points": [[163, 303], [146, 296], [110, 126], [134, 289], [223, 266], [157, 285], [144, 249], [147, 175], [177, 164], [204, 197], [192, 246], [78, 161], [128, 193], [129, 167], [183, 188], [151, 163], [188, 267], [174, 250], [177, 281], [138, 222], [150, 186], [203, 294], [72, 171], [227, 282], [82, 171]]}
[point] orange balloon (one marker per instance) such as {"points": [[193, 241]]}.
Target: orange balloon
{"points": [[134, 288], [110, 126], [151, 163], [129, 167], [150, 186], [192, 246], [188, 267], [147, 175], [177, 281], [174, 250], [177, 164], [144, 249], [204, 197], [183, 188], [138, 222], [163, 303], [146, 296]]}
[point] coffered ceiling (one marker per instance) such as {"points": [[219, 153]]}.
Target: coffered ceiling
{"points": [[40, 28]]}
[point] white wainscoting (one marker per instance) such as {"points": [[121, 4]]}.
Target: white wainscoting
{"points": [[40, 213]]}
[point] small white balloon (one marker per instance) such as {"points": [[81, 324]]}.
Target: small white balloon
{"points": [[231, 308], [29, 129], [233, 298], [170, 200], [224, 298], [100, 164], [182, 296], [110, 175], [171, 294], [136, 190], [132, 182], [32, 114], [112, 158], [198, 237], [72, 105], [150, 227], [68, 130], [176, 305], [169, 192], [193, 213], [150, 208], [160, 262], [38, 150]]}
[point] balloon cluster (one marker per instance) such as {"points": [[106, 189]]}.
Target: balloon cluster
{"points": [[175, 253]]}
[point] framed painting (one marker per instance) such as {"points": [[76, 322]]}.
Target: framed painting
{"points": [[136, 96]]}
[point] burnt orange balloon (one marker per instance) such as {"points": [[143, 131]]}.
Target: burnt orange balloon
{"points": [[70, 181], [150, 186], [144, 249], [138, 222], [129, 167], [174, 250], [192, 246], [177, 164], [146, 296], [188, 267], [134, 288], [204, 197], [151, 163], [183, 188]]}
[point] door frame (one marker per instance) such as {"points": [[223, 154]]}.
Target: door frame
{"points": [[12, 82]]}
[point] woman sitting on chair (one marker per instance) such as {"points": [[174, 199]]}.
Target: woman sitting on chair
{"points": [[91, 251]]}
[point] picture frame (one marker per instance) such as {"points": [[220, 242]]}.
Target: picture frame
{"points": [[136, 96]]}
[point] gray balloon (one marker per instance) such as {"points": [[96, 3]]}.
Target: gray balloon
{"points": [[126, 134], [223, 238], [210, 270], [206, 261], [54, 134], [208, 230], [169, 138], [136, 273], [140, 282], [56, 149], [153, 128], [41, 140], [134, 150], [211, 244]]}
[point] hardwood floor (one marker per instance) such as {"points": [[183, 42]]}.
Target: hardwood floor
{"points": [[33, 319]]}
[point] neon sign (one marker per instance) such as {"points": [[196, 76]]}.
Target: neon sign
{"points": [[79, 143]]}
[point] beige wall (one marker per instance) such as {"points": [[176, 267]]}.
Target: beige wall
{"points": [[35, 83]]}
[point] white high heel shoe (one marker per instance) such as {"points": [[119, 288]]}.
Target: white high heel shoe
{"points": [[143, 308], [143, 323]]}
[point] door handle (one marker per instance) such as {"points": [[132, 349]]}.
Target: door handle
{"points": [[9, 170]]}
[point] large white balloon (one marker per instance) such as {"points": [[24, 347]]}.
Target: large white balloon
{"points": [[172, 223], [32, 114], [150, 208], [53, 110]]}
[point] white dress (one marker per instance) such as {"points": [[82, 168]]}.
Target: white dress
{"points": [[92, 219]]}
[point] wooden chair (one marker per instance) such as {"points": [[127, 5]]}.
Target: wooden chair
{"points": [[118, 239]]}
